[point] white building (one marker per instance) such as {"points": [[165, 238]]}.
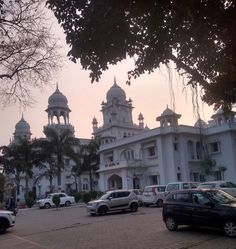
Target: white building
{"points": [[132, 156], [58, 119]]}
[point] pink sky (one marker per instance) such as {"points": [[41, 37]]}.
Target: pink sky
{"points": [[150, 94]]}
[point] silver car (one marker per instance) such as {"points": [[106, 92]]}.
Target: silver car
{"points": [[115, 200]]}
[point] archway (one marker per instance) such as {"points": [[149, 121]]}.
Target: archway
{"points": [[114, 182]]}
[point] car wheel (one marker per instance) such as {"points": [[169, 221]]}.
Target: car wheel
{"points": [[47, 205], [160, 203], [3, 226], [67, 203], [134, 207], [230, 228], [171, 223], [102, 210]]}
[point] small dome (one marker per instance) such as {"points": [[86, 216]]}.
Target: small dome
{"points": [[168, 112], [116, 92], [22, 125], [57, 99], [140, 116]]}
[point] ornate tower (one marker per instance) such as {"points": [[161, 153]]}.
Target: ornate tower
{"points": [[58, 112], [117, 116]]}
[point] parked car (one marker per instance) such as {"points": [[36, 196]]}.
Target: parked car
{"points": [[172, 186], [201, 207], [226, 186], [153, 195], [138, 193], [7, 220], [114, 201], [65, 200]]}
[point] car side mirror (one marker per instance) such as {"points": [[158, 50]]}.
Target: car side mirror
{"points": [[109, 198]]}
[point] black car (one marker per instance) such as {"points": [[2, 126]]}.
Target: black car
{"points": [[201, 207]]}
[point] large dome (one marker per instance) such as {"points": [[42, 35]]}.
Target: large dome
{"points": [[116, 92], [22, 126], [57, 99]]}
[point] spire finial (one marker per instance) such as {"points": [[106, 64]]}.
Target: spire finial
{"points": [[57, 86], [115, 80], [22, 116]]}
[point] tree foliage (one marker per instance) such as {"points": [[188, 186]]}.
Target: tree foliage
{"points": [[19, 159], [61, 144], [29, 54], [198, 36]]}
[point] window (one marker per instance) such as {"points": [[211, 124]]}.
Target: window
{"points": [[218, 175], [175, 146], [200, 199], [129, 154], [183, 197], [214, 147], [85, 184], [154, 179], [174, 186], [179, 177], [151, 151]]}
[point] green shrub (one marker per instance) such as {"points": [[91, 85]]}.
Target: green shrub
{"points": [[56, 200], [77, 196], [29, 202], [96, 194], [86, 197], [93, 194]]}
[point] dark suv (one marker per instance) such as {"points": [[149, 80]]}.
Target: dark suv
{"points": [[210, 208], [114, 201]]}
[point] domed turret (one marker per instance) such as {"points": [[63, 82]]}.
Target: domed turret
{"points": [[116, 93], [22, 130], [168, 118], [22, 125], [58, 112], [57, 99]]}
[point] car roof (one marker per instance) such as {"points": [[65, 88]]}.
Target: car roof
{"points": [[118, 190], [193, 190], [180, 182], [153, 186], [213, 182]]}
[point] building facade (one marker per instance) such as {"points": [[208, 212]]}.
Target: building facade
{"points": [[133, 156]]}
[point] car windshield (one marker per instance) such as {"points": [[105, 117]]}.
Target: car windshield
{"points": [[220, 197], [49, 197], [105, 196]]}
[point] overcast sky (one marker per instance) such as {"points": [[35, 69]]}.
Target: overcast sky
{"points": [[150, 94]]}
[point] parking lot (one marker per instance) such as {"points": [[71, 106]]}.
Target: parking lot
{"points": [[73, 227]]}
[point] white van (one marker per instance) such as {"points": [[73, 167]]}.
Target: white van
{"points": [[153, 195], [172, 186]]}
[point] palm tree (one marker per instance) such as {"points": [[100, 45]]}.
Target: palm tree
{"points": [[19, 158], [90, 158], [61, 143], [47, 162], [12, 163]]}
